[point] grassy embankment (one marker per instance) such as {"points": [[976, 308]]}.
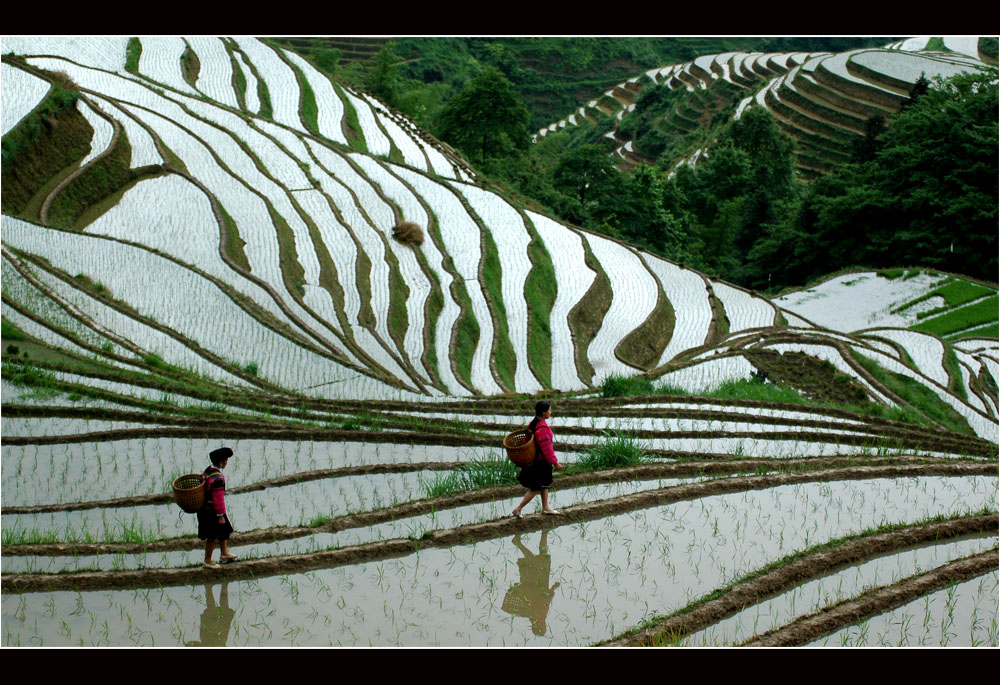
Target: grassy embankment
{"points": [[506, 361], [540, 293], [45, 147]]}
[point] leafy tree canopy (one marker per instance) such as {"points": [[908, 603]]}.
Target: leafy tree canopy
{"points": [[583, 170], [486, 118], [929, 196]]}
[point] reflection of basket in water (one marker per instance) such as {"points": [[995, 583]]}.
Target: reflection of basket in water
{"points": [[520, 446], [189, 492], [515, 603]]}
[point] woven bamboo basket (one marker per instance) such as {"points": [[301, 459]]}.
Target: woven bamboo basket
{"points": [[520, 446], [189, 492]]}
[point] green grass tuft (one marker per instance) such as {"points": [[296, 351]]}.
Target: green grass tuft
{"points": [[955, 292], [307, 107], [955, 383], [617, 449], [621, 386], [744, 389], [494, 470], [506, 361], [317, 521], [355, 134], [264, 95], [990, 331], [11, 332], [917, 395], [540, 292]]}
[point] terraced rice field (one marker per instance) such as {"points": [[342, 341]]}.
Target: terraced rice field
{"points": [[820, 99], [243, 284]]}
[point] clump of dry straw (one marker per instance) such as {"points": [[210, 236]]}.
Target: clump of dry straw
{"points": [[409, 233]]}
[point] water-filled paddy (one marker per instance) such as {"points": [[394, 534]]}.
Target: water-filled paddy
{"points": [[291, 505], [963, 615], [814, 595], [89, 471], [573, 585], [408, 526]]}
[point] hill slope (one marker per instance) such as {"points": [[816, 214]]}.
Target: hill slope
{"points": [[231, 223]]}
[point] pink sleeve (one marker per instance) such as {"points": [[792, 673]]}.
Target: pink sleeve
{"points": [[543, 440], [219, 499]]}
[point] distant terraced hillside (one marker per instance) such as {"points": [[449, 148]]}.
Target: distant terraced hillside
{"points": [[822, 100], [922, 300]]}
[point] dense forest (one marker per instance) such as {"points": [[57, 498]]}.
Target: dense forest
{"points": [[920, 189]]}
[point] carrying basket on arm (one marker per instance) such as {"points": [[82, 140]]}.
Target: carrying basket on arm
{"points": [[520, 446], [189, 492]]}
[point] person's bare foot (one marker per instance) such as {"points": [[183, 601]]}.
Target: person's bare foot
{"points": [[516, 513], [226, 558], [550, 512]]}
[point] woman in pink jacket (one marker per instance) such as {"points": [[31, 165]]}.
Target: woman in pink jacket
{"points": [[213, 522], [538, 476]]}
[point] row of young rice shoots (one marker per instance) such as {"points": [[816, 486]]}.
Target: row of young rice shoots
{"points": [[961, 615], [289, 505], [413, 527]]}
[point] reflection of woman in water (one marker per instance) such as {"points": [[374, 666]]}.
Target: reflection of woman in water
{"points": [[215, 620], [532, 596]]}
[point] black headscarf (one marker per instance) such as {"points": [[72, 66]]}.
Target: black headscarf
{"points": [[220, 455]]}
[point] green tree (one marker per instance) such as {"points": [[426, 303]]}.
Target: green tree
{"points": [[726, 174], [865, 149], [939, 167], [486, 118], [769, 148], [918, 90], [383, 77], [929, 196], [328, 60], [584, 170]]}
